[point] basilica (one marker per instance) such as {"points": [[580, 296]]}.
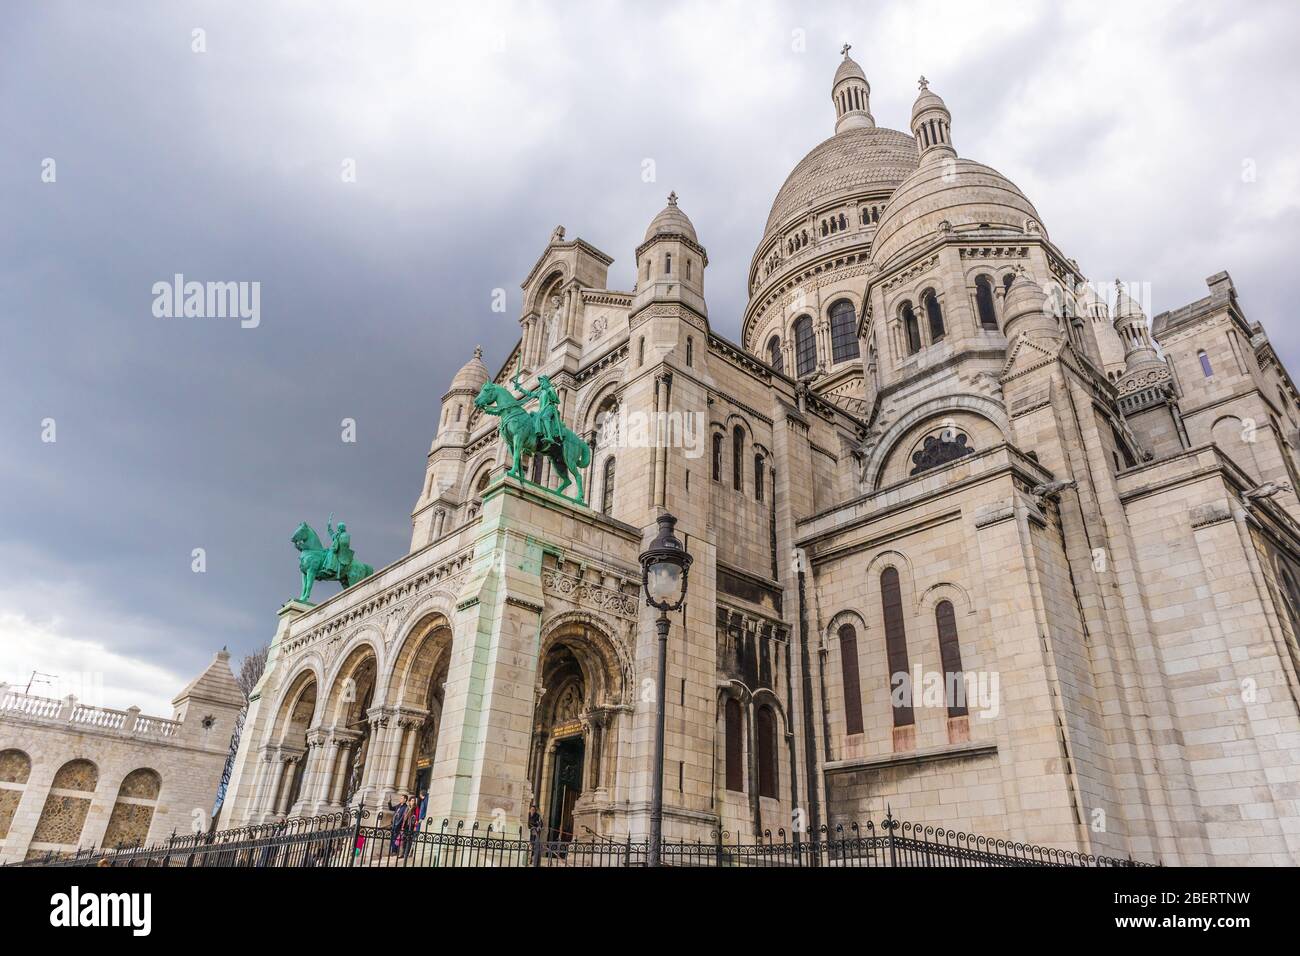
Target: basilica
{"points": [[974, 540]]}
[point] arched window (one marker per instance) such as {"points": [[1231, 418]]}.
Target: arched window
{"points": [[933, 313], [668, 263], [891, 602], [911, 329], [690, 352], [805, 347], [758, 477], [1206, 367], [640, 351], [734, 731], [15, 768], [774, 353], [717, 457], [133, 812], [984, 303], [737, 457], [64, 813], [688, 270], [849, 679], [844, 222], [765, 731], [459, 410], [950, 655], [607, 487], [844, 332]]}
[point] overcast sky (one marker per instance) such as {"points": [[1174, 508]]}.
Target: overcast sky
{"points": [[1158, 142]]}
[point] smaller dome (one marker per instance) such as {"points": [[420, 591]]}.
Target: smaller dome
{"points": [[1024, 297], [671, 222], [472, 374], [928, 101], [1125, 304], [954, 194], [848, 68]]}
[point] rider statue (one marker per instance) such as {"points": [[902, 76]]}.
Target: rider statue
{"points": [[548, 409], [339, 555]]}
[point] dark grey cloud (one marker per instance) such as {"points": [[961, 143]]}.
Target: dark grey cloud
{"points": [[475, 130]]}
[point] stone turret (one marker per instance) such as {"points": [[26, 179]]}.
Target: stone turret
{"points": [[851, 94], [1026, 310], [1131, 326], [932, 125], [671, 262], [208, 705]]}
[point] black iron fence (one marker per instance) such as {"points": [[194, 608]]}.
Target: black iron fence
{"points": [[346, 839]]}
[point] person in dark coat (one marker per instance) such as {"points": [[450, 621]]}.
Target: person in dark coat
{"points": [[395, 828]]}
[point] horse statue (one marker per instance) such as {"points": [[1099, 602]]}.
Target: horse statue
{"points": [[319, 563], [525, 434]]}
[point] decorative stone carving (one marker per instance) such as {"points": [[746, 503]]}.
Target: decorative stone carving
{"points": [[588, 594]]}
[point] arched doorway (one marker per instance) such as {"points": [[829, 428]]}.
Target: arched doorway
{"points": [[580, 697], [351, 699], [419, 688], [288, 749]]}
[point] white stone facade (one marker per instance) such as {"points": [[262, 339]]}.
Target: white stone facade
{"points": [[73, 776], [937, 451]]}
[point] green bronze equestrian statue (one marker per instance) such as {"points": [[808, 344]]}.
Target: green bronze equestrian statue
{"points": [[335, 563], [541, 433]]}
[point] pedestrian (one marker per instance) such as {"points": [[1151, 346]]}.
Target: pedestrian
{"points": [[399, 810], [410, 825]]}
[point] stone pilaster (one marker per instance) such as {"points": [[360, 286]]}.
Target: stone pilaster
{"points": [[480, 771]]}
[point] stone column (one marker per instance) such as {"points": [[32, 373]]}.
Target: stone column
{"points": [[275, 786], [288, 764], [410, 725], [381, 728], [316, 758], [261, 796]]}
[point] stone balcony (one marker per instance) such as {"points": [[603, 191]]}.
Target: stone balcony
{"points": [[76, 716]]}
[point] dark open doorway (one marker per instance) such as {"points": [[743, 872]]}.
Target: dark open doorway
{"points": [[566, 786]]}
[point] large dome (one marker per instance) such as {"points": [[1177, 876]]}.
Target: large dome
{"points": [[961, 192], [850, 162]]}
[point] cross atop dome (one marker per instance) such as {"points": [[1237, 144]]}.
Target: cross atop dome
{"points": [[672, 198], [923, 83], [845, 49]]}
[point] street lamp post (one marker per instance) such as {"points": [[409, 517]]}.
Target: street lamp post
{"points": [[664, 569]]}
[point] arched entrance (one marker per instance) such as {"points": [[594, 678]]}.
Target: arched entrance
{"points": [[419, 688], [580, 696], [286, 754], [352, 729]]}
